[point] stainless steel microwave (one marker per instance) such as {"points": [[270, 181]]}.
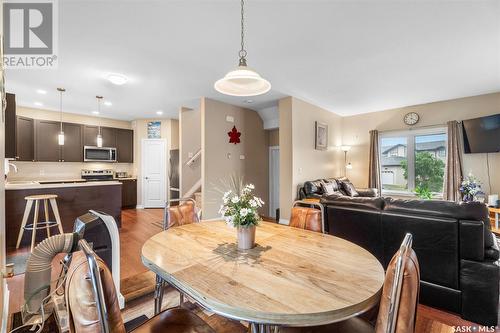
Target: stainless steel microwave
{"points": [[99, 154]]}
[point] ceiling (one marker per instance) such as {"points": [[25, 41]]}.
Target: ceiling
{"points": [[348, 57]]}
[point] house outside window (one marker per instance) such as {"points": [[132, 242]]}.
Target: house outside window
{"points": [[413, 159]]}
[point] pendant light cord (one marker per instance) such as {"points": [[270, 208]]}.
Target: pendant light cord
{"points": [[243, 52], [99, 111], [61, 90]]}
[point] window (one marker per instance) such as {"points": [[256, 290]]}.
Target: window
{"points": [[413, 160]]}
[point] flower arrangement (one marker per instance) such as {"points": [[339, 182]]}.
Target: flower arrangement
{"points": [[470, 188], [240, 209]]}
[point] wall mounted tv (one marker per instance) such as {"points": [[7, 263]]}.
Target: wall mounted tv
{"points": [[482, 135]]}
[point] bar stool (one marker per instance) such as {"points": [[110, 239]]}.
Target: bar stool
{"points": [[46, 198]]}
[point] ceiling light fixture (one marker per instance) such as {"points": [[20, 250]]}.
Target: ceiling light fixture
{"points": [[41, 92], [38, 103], [99, 136], [117, 79], [243, 81], [95, 112], [159, 112], [248, 101], [108, 103], [60, 137]]}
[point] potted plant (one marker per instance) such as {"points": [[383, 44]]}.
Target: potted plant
{"points": [[470, 188], [240, 211]]}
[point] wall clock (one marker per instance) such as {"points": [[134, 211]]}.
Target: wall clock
{"points": [[411, 118]]}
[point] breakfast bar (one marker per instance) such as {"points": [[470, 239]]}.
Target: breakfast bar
{"points": [[74, 198]]}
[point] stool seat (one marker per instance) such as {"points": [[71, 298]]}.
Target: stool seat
{"points": [[45, 198], [41, 197]]}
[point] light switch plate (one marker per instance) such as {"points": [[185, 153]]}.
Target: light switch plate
{"points": [[230, 119], [190, 155], [242, 157]]}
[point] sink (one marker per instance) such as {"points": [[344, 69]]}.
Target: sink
{"points": [[21, 182]]}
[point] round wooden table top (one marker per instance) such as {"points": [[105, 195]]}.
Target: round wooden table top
{"points": [[292, 277]]}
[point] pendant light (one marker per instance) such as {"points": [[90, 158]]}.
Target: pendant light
{"points": [[60, 136], [242, 81], [99, 136]]}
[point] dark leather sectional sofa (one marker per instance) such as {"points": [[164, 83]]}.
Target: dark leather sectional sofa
{"points": [[457, 252]]}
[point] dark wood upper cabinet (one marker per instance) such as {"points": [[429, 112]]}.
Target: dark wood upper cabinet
{"points": [[10, 126], [72, 151], [90, 135], [25, 139], [47, 148], [125, 145], [108, 137]]}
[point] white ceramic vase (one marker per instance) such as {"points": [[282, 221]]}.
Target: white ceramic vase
{"points": [[246, 237]]}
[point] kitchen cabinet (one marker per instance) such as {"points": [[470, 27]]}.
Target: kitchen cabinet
{"points": [[90, 135], [72, 151], [10, 126], [46, 145], [25, 140], [125, 145], [129, 192], [108, 136]]}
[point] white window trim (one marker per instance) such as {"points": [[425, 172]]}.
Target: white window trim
{"points": [[410, 134]]}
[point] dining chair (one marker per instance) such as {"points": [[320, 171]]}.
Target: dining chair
{"points": [[304, 216], [185, 212], [398, 304], [89, 282]]}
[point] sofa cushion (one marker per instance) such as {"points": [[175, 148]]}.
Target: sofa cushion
{"points": [[313, 187], [329, 188], [349, 189]]}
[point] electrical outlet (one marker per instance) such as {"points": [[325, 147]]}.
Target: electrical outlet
{"points": [[228, 156], [230, 119], [242, 157]]}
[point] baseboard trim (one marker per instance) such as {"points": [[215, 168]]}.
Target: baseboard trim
{"points": [[139, 207], [284, 221]]}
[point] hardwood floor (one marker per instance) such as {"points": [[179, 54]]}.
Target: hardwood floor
{"points": [[139, 225]]}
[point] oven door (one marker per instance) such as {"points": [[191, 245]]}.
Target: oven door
{"points": [[97, 154]]}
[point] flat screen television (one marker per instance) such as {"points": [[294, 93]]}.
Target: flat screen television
{"points": [[482, 135]]}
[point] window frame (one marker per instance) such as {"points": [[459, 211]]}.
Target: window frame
{"points": [[410, 135]]}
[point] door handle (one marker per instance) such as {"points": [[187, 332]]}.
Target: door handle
{"points": [[146, 177]]}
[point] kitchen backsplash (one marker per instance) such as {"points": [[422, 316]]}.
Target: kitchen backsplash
{"points": [[61, 171]]}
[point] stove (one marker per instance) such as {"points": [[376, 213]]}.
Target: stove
{"points": [[95, 175]]}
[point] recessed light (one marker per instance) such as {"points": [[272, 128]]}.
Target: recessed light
{"points": [[38, 103], [118, 79], [95, 112], [41, 91], [159, 112], [248, 101], [108, 103]]}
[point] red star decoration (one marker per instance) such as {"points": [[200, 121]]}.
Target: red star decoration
{"points": [[234, 136]]}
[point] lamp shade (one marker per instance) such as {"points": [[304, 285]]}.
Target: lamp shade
{"points": [[242, 81]]}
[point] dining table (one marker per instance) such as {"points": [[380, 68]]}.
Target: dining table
{"points": [[292, 277]]}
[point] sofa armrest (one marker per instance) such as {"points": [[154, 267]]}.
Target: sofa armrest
{"points": [[492, 252], [367, 192], [471, 240]]}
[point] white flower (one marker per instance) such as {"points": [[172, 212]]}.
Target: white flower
{"points": [[235, 199], [244, 212], [258, 201], [251, 186], [222, 209], [229, 219], [253, 203]]}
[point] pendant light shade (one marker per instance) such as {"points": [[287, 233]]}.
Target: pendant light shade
{"points": [[60, 136], [242, 81], [99, 135]]}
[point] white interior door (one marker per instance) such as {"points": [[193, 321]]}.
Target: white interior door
{"points": [[274, 180], [154, 186]]}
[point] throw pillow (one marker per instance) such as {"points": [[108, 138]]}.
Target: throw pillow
{"points": [[328, 188], [349, 189]]}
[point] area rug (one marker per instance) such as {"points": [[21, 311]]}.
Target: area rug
{"points": [[19, 260]]}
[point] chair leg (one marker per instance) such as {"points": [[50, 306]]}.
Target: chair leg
{"points": [[27, 211], [55, 210], [33, 231], [181, 299], [46, 210], [158, 296]]}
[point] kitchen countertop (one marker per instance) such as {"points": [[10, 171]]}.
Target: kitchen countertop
{"points": [[18, 185]]}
